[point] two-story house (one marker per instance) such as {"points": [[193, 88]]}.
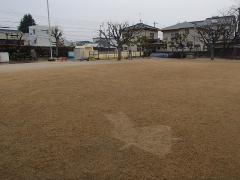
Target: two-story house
{"points": [[145, 38], [189, 29], [186, 28]]}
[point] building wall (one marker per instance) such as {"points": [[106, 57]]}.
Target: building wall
{"points": [[39, 36], [145, 33]]}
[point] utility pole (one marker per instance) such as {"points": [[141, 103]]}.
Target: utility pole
{"points": [[49, 31], [238, 32], [155, 23]]}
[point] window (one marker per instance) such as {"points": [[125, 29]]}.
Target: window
{"points": [[173, 35], [152, 35]]}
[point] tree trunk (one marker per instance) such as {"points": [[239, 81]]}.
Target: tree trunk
{"points": [[57, 51], [182, 54], [119, 54], [212, 52]]}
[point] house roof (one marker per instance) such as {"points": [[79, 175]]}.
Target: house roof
{"points": [[5, 30], [183, 25], [144, 26]]}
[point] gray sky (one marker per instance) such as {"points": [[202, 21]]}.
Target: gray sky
{"points": [[80, 19]]}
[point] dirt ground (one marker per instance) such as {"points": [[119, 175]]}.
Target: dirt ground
{"points": [[145, 119]]}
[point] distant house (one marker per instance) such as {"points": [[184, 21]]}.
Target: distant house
{"points": [[12, 37], [190, 30], [147, 32], [103, 43], [82, 43]]}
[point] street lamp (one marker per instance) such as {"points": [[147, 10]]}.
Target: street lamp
{"points": [[49, 30]]}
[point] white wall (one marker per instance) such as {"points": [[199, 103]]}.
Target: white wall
{"points": [[39, 36]]}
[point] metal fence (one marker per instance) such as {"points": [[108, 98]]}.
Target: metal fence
{"points": [[99, 55]]}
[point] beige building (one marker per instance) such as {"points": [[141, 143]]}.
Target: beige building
{"points": [[190, 30], [186, 28]]}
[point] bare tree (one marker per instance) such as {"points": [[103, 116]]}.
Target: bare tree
{"points": [[145, 44], [179, 41], [171, 44], [230, 20], [19, 37], [58, 40], [190, 45], [211, 32], [118, 35]]}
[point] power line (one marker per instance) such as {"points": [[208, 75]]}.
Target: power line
{"points": [[42, 16], [75, 30]]}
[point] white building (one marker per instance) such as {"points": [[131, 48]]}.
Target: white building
{"points": [[39, 36]]}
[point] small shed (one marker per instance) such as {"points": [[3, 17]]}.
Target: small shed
{"points": [[83, 52], [4, 57]]}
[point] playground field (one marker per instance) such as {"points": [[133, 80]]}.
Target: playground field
{"points": [[142, 119]]}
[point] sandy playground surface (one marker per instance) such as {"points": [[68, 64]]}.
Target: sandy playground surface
{"points": [[145, 119]]}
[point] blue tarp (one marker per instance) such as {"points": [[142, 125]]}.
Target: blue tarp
{"points": [[161, 55]]}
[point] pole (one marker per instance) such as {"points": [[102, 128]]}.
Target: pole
{"points": [[49, 31]]}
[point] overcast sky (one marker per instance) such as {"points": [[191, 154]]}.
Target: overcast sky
{"points": [[80, 19]]}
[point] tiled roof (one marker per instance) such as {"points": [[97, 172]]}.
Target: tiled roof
{"points": [[144, 26], [193, 24], [183, 25]]}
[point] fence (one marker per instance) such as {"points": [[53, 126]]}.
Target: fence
{"points": [[229, 53], [24, 52], [113, 55]]}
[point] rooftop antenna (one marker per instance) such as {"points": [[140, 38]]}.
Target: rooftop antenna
{"points": [[140, 17]]}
